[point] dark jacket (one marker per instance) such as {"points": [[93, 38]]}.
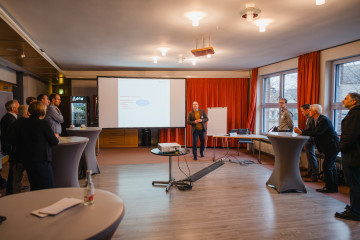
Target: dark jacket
{"points": [[34, 141], [6, 121], [13, 138], [310, 124], [191, 119], [326, 139], [350, 137]]}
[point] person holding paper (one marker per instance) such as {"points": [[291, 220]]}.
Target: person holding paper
{"points": [[197, 119]]}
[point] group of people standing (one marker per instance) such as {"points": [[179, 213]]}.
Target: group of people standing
{"points": [[27, 134], [323, 136], [327, 141]]}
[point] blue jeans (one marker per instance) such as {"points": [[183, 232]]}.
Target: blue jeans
{"points": [[313, 169], [201, 135], [330, 172], [352, 179]]}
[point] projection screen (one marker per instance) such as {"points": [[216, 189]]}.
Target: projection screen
{"points": [[141, 102]]}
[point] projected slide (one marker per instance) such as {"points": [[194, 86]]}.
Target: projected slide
{"points": [[150, 101], [141, 102]]}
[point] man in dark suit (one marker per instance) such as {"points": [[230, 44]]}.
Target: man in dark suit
{"points": [[327, 142], [197, 119], [313, 169], [10, 117], [350, 155]]}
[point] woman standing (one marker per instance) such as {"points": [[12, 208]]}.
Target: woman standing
{"points": [[35, 141]]}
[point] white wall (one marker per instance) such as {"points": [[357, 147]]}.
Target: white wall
{"points": [[34, 87], [7, 75]]}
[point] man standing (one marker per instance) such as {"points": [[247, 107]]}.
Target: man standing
{"points": [[310, 146], [350, 155], [197, 119], [327, 142], [9, 118], [43, 98], [53, 114], [286, 123]]}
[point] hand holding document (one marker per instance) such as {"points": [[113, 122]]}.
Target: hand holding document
{"points": [[57, 207]]}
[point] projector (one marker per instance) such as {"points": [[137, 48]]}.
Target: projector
{"points": [[202, 51], [169, 147]]}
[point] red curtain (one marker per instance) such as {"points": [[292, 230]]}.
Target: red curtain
{"points": [[308, 82], [213, 92], [252, 102]]}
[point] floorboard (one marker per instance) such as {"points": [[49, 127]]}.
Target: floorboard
{"points": [[232, 202]]}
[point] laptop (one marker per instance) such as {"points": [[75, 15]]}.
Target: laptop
{"points": [[232, 132]]}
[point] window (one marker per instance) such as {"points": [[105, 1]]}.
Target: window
{"points": [[276, 86], [346, 78]]}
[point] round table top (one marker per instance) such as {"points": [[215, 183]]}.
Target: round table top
{"points": [[72, 140], [289, 135], [79, 222], [84, 129], [156, 151]]}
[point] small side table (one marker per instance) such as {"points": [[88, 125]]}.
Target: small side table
{"points": [[169, 183]]}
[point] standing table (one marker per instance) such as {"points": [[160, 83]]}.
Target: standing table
{"points": [[88, 159], [169, 183], [65, 160], [286, 174]]}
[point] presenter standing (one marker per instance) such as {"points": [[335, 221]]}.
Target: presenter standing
{"points": [[197, 119]]}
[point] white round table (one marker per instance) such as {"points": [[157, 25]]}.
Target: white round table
{"points": [[97, 221]]}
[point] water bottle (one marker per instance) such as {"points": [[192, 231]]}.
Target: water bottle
{"points": [[89, 189]]}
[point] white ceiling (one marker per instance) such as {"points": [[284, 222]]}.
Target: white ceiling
{"points": [[125, 34]]}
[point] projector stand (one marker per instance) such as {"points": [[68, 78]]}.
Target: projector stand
{"points": [[171, 178]]}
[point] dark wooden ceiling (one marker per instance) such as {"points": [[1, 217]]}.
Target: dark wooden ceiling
{"points": [[12, 46]]}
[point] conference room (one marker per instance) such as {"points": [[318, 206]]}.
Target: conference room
{"points": [[129, 75]]}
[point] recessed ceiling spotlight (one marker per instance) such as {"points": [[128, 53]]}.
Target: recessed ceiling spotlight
{"points": [[208, 56], [163, 50], [193, 61], [262, 23], [195, 17]]}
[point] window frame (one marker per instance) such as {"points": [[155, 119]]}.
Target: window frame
{"points": [[281, 95], [337, 105]]}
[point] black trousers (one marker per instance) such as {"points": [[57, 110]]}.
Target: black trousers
{"points": [[198, 134], [40, 175]]}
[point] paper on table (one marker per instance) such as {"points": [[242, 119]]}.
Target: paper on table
{"points": [[57, 207]]}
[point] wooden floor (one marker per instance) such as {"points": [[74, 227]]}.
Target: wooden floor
{"points": [[232, 202]]}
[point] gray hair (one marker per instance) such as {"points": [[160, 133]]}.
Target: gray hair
{"points": [[317, 107], [10, 104], [355, 97], [23, 111]]}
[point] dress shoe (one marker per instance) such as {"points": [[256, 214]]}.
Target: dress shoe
{"points": [[348, 215], [201, 155], [325, 190], [195, 158]]}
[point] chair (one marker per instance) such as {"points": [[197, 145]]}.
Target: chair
{"points": [[245, 131]]}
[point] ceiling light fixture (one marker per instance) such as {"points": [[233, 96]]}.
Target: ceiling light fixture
{"points": [[320, 2], [208, 56], [163, 50], [180, 58], [193, 61], [262, 23], [198, 52], [250, 12], [195, 17], [23, 55], [155, 59]]}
